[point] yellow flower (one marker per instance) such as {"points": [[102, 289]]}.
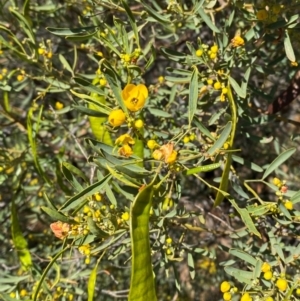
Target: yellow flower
{"points": [[266, 267], [125, 151], [214, 49], [23, 293], [172, 158], [103, 82], [157, 154], [41, 51], [186, 139], [139, 124], [169, 240], [269, 298], [161, 79], [281, 284], [225, 286], [227, 296], [125, 216], [268, 275], [224, 91], [246, 297], [213, 55], [277, 182], [85, 249], [237, 41], [20, 77], [59, 105], [217, 85], [126, 58], [288, 205], [124, 139], [210, 81], [134, 97], [116, 117], [152, 144], [199, 52], [262, 15]]}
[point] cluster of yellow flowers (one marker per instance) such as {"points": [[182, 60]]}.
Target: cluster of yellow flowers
{"points": [[45, 50], [279, 282], [282, 189], [209, 52]]}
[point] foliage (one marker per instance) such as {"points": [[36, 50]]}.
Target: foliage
{"points": [[137, 149]]}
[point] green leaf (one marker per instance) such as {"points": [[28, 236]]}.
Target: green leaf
{"points": [[208, 21], [191, 265], [65, 63], [89, 191], [193, 95], [114, 82], [70, 31], [19, 241], [245, 217], [159, 113], [92, 280], [121, 177], [258, 210], [25, 25], [203, 168], [98, 127], [243, 255], [142, 283], [289, 48], [132, 22], [278, 161], [221, 140], [75, 171], [246, 163], [239, 91], [57, 216], [155, 15], [87, 86], [203, 129], [173, 55], [240, 275], [32, 132]]}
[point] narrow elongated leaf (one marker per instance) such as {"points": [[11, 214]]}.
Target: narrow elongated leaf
{"points": [[65, 64], [245, 217], [78, 198], [19, 241], [193, 95], [239, 91], [114, 82], [203, 168], [278, 161], [225, 175], [92, 280], [132, 22], [70, 31], [289, 48], [208, 21], [76, 171], [142, 283], [56, 216], [222, 139], [244, 256], [155, 15]]}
